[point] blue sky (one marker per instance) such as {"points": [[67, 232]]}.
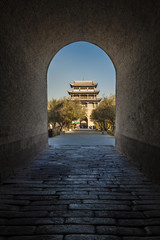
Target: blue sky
{"points": [[77, 61]]}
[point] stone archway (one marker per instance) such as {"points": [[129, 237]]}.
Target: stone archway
{"points": [[34, 31], [84, 123]]}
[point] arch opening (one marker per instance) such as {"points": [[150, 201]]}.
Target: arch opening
{"points": [[82, 71]]}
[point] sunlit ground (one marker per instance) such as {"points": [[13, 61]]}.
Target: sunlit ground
{"points": [[82, 137]]}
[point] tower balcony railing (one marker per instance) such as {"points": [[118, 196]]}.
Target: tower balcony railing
{"points": [[83, 98], [83, 90]]}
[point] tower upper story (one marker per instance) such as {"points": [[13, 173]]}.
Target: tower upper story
{"points": [[84, 90], [83, 85]]}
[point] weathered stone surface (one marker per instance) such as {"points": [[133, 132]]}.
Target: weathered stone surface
{"points": [[122, 231], [72, 213], [141, 238], [54, 202], [120, 214], [16, 230], [90, 237], [112, 212], [99, 207], [13, 214], [153, 230], [89, 220], [78, 196], [154, 213], [131, 222], [35, 221], [128, 31], [64, 229], [39, 237], [47, 208]]}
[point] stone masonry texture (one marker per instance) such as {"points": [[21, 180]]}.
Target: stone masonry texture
{"points": [[79, 193], [33, 31]]}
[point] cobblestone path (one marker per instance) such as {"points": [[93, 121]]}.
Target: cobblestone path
{"points": [[79, 193]]}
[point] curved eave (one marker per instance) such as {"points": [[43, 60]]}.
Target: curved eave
{"points": [[87, 100], [75, 85], [83, 92]]}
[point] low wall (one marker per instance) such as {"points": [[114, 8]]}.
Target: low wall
{"points": [[18, 154], [145, 156]]}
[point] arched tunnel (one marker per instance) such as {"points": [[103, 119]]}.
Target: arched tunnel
{"points": [[32, 32]]}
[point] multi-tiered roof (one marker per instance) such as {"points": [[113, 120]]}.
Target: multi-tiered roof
{"points": [[84, 91], [83, 83]]}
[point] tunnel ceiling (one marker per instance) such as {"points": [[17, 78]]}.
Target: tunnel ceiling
{"points": [[44, 27]]}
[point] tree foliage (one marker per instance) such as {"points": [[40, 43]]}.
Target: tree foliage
{"points": [[64, 111], [104, 114]]}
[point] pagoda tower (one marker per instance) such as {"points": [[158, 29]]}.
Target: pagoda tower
{"points": [[85, 92]]}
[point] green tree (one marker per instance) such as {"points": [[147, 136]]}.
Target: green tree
{"points": [[104, 114], [64, 111]]}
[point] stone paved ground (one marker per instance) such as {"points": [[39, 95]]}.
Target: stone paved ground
{"points": [[82, 137], [79, 193]]}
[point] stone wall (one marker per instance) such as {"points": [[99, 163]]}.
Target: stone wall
{"points": [[31, 34]]}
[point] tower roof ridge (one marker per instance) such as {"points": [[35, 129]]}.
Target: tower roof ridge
{"points": [[84, 83]]}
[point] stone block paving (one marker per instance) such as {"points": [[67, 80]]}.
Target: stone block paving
{"points": [[79, 193]]}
